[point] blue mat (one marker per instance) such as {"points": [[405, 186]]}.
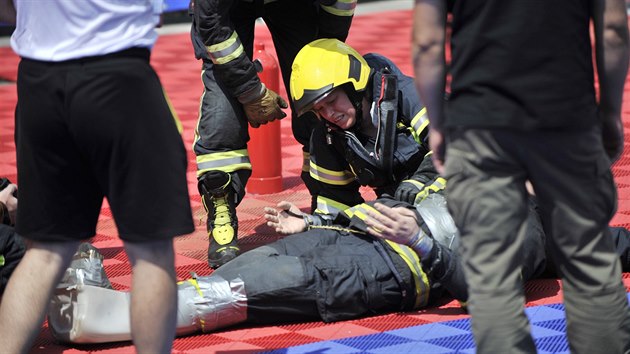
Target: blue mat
{"points": [[547, 323]]}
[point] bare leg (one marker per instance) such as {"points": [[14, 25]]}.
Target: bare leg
{"points": [[153, 295], [28, 293]]}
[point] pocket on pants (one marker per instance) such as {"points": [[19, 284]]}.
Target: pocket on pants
{"points": [[342, 293]]}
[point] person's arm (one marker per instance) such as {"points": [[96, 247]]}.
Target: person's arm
{"points": [[7, 12], [428, 40], [610, 22], [287, 219], [8, 204], [423, 182]]}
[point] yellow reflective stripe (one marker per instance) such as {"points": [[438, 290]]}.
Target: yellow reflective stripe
{"points": [[341, 7], [421, 281], [420, 122], [306, 161], [227, 161], [440, 183], [360, 211], [338, 178], [437, 185], [178, 123], [226, 51], [420, 185], [329, 206]]}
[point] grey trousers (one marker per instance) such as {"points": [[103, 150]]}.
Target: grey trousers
{"points": [[570, 173]]}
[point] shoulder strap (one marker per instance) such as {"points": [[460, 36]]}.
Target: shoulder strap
{"points": [[387, 117]]}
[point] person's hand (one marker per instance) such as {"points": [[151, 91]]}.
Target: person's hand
{"points": [[395, 224], [7, 197], [287, 219], [407, 191], [265, 108], [436, 142], [612, 136]]}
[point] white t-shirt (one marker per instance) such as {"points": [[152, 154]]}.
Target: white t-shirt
{"points": [[57, 30]]}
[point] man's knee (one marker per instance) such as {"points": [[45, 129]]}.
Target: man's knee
{"points": [[52, 252], [160, 252]]}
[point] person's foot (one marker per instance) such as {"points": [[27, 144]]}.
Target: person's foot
{"points": [[86, 268], [223, 245], [218, 199], [219, 255]]}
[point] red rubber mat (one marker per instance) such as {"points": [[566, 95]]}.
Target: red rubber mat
{"points": [[387, 33]]}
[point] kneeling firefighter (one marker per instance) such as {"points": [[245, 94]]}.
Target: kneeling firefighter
{"points": [[373, 128]]}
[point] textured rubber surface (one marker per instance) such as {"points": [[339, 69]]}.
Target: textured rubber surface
{"points": [[445, 329]]}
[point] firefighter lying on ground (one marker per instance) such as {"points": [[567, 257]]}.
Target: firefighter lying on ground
{"points": [[331, 273], [326, 273], [372, 130], [223, 38]]}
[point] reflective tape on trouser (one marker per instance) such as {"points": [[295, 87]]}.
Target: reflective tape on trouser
{"points": [[228, 161], [341, 7]]}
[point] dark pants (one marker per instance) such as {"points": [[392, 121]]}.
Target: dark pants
{"points": [[570, 172], [317, 275], [223, 126], [97, 127]]}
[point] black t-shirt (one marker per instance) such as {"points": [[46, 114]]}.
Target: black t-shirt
{"points": [[522, 64]]}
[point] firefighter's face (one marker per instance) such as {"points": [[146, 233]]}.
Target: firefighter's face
{"points": [[337, 109]]}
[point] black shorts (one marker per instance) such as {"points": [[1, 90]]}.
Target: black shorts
{"points": [[92, 128]]}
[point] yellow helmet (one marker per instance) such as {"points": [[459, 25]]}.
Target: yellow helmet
{"points": [[322, 66]]}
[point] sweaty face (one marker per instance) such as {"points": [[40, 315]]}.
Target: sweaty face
{"points": [[337, 109]]}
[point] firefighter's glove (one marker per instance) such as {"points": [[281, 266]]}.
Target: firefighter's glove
{"points": [[408, 190], [262, 106]]}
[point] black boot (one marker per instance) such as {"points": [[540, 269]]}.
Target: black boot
{"points": [[219, 200]]}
